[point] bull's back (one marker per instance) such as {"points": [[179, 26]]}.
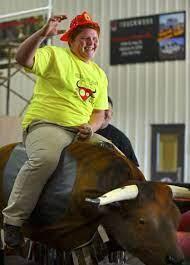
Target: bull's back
{"points": [[101, 169]]}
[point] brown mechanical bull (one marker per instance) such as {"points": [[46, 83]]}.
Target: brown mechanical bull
{"points": [[140, 217]]}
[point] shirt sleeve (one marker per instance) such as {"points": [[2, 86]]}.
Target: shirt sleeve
{"points": [[42, 61]]}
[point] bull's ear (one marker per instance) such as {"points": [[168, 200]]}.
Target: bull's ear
{"points": [[180, 191]]}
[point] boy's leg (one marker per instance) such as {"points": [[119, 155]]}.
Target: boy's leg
{"points": [[44, 144]]}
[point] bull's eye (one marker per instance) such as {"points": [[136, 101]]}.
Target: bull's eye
{"points": [[142, 220]]}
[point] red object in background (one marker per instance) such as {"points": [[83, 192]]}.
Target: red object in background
{"points": [[184, 241], [183, 234], [185, 222]]}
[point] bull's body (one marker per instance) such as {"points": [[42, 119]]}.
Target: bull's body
{"points": [[145, 226]]}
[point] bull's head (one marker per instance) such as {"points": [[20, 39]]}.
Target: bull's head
{"points": [[144, 221]]}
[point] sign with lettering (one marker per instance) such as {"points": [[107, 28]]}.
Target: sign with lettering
{"points": [[147, 39]]}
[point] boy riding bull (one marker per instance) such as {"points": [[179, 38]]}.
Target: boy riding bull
{"points": [[70, 96]]}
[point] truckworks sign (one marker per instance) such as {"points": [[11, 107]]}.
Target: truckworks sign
{"points": [[147, 39]]}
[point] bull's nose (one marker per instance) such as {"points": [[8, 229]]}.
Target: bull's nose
{"points": [[170, 260]]}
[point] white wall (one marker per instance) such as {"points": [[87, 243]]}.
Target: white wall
{"points": [[143, 94]]}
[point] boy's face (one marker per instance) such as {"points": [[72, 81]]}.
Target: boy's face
{"points": [[85, 44]]}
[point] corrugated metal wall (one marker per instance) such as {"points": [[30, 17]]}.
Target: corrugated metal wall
{"points": [[143, 94]]}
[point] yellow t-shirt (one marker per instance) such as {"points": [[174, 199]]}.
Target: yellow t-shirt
{"points": [[67, 89]]}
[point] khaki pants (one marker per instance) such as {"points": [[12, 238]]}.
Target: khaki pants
{"points": [[44, 143]]}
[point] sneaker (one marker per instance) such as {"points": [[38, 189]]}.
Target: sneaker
{"points": [[13, 236]]}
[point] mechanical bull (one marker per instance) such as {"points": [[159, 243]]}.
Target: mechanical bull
{"points": [[92, 185]]}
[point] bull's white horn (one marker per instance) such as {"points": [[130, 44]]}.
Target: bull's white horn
{"points": [[180, 191], [125, 193]]}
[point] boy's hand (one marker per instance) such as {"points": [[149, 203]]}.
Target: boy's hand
{"points": [[85, 131], [51, 28]]}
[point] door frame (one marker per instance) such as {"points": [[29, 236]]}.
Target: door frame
{"points": [[178, 129]]}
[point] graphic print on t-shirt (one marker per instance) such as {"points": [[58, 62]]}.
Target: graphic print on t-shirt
{"points": [[85, 92]]}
